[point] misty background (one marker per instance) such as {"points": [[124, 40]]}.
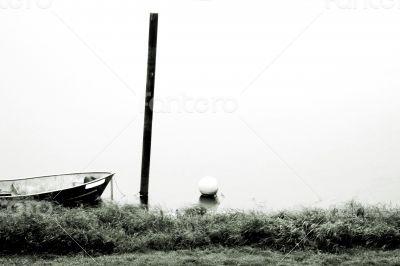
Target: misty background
{"points": [[288, 103]]}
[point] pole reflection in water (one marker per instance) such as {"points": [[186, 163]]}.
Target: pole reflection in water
{"points": [[144, 202]]}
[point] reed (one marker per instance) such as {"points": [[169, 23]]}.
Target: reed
{"points": [[112, 228]]}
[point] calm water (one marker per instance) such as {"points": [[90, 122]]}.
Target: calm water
{"points": [[249, 197]]}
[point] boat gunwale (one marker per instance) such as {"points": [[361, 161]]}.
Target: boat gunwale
{"points": [[109, 174], [24, 178]]}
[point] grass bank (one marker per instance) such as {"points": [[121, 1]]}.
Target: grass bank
{"points": [[40, 228], [217, 256]]}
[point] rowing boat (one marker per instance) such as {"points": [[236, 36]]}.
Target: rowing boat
{"points": [[65, 189]]}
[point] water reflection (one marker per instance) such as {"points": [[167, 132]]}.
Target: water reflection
{"points": [[144, 202], [209, 202]]}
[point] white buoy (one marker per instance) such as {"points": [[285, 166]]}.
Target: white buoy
{"points": [[208, 185]]}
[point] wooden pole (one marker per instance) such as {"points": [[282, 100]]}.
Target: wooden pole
{"points": [[148, 109]]}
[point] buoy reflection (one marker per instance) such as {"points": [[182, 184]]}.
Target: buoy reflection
{"points": [[209, 201]]}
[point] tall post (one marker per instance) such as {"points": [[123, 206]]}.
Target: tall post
{"points": [[148, 109]]}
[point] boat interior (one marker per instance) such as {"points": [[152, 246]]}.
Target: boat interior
{"points": [[43, 184]]}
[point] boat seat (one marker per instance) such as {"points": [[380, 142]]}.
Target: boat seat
{"points": [[88, 179], [14, 190], [4, 193]]}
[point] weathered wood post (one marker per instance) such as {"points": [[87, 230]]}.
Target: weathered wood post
{"points": [[148, 109]]}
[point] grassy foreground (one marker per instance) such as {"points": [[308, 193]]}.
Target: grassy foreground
{"points": [[44, 228], [243, 256]]}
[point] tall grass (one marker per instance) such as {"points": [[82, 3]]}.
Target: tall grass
{"points": [[112, 228]]}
